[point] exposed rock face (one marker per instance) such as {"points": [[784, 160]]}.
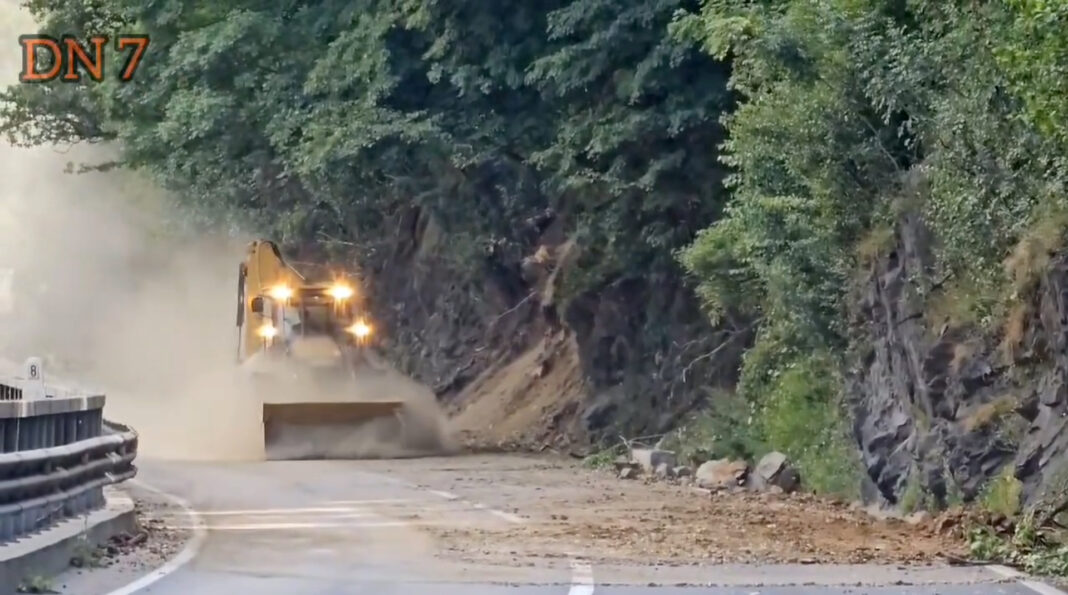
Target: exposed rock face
{"points": [[649, 354], [646, 351], [948, 406]]}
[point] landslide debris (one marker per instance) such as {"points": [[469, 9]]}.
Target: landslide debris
{"points": [[591, 513]]}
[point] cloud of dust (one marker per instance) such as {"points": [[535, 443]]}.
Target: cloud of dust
{"points": [[418, 428], [111, 302]]}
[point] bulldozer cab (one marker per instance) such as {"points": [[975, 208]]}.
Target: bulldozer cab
{"points": [[302, 343], [277, 305]]}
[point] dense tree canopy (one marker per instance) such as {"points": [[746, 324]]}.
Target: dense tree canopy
{"points": [[855, 113], [323, 117]]}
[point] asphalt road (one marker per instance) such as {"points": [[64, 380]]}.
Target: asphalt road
{"points": [[326, 528]]}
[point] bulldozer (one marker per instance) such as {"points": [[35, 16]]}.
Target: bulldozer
{"points": [[302, 342]]}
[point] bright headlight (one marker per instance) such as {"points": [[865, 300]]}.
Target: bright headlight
{"points": [[361, 329], [341, 292], [281, 292], [267, 331]]}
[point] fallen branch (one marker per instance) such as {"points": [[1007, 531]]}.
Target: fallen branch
{"points": [[512, 309], [640, 439], [721, 346], [1049, 516]]}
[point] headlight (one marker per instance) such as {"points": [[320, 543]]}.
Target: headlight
{"points": [[281, 293], [341, 292], [267, 331], [361, 329]]}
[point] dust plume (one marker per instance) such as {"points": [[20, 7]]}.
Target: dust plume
{"points": [[112, 296], [417, 429]]}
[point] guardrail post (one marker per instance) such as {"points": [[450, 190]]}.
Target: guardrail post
{"points": [[10, 434]]}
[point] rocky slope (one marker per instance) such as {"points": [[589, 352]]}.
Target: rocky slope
{"points": [[946, 408], [629, 358], [938, 410]]}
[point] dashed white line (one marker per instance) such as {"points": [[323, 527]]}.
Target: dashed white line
{"points": [[511, 518], [365, 502], [311, 525], [191, 549], [581, 578], [275, 511], [507, 516], [1036, 586]]}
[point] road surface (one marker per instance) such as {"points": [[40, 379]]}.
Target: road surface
{"points": [[377, 527]]}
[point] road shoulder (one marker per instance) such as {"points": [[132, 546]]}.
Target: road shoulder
{"points": [[148, 546], [30, 561]]}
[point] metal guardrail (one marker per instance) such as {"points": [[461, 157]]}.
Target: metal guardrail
{"points": [[56, 455]]}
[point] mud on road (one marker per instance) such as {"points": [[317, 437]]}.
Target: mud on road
{"points": [[571, 510]]}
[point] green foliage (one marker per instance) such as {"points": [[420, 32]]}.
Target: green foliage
{"points": [[854, 114], [725, 430], [1027, 548], [913, 497], [314, 118], [800, 415], [37, 584], [605, 458], [1002, 494], [1032, 52], [1038, 543], [87, 555]]}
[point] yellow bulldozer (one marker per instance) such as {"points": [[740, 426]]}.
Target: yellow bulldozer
{"points": [[304, 344]]}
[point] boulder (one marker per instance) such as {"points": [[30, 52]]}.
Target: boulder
{"points": [[682, 471], [774, 470], [628, 473], [663, 471], [651, 458], [721, 474]]}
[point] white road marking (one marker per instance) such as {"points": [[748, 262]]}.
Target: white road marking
{"points": [[511, 518], [276, 511], [425, 506], [1036, 586], [190, 551], [581, 578], [310, 525], [363, 502]]}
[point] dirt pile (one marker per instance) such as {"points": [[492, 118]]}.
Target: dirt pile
{"points": [[593, 515], [528, 402]]}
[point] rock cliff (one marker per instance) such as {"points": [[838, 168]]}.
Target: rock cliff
{"points": [[950, 408]]}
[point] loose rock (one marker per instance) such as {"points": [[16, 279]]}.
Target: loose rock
{"points": [[628, 473], [663, 471], [774, 469], [723, 473], [651, 458]]}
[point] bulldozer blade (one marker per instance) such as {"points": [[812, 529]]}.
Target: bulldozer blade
{"points": [[325, 430]]}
